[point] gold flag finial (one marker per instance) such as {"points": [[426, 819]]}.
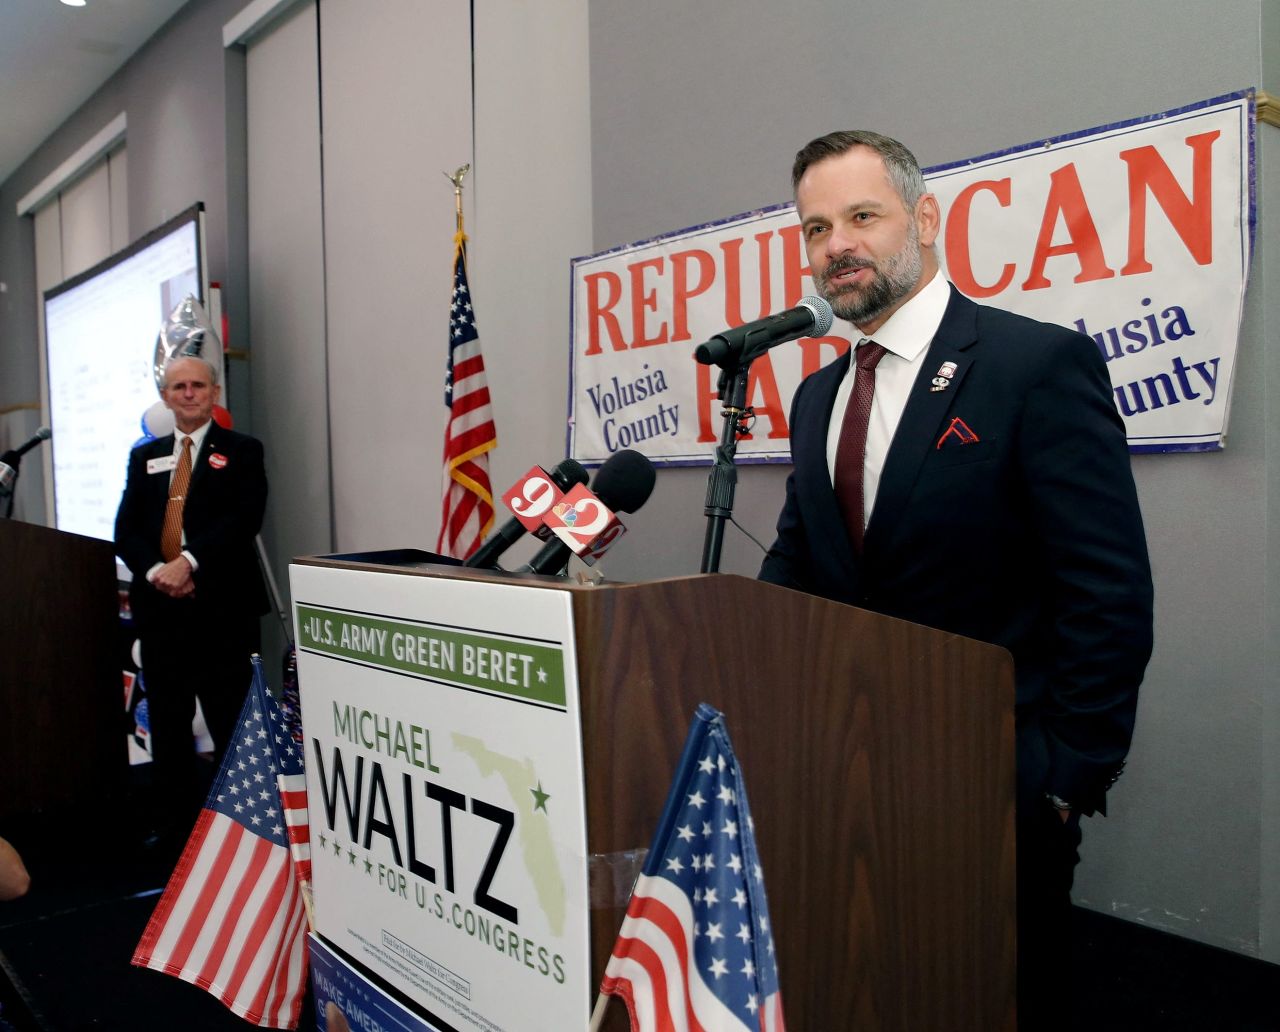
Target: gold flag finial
{"points": [[456, 179]]}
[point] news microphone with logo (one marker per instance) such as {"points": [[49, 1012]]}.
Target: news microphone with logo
{"points": [[622, 484], [530, 498], [812, 317], [12, 459]]}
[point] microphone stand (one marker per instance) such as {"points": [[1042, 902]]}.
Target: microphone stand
{"points": [[723, 479]]}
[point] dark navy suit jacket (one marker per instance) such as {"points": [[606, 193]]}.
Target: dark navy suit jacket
{"points": [[226, 499], [1029, 537]]}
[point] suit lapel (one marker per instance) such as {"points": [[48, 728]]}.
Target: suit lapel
{"points": [[922, 419], [157, 484], [200, 461]]}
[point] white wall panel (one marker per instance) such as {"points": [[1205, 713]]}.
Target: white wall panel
{"points": [[86, 222], [118, 173], [531, 197], [286, 329], [48, 252], [395, 92]]}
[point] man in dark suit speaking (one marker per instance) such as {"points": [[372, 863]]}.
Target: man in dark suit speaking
{"points": [[192, 505], [965, 468]]}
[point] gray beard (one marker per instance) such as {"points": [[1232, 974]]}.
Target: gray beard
{"points": [[894, 278]]}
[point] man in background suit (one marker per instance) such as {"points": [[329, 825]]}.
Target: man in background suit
{"points": [[987, 492], [197, 593]]}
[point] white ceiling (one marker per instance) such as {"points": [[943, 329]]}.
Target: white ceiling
{"points": [[53, 58]]}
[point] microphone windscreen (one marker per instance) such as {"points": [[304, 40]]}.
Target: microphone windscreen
{"points": [[823, 316], [625, 481], [569, 473]]}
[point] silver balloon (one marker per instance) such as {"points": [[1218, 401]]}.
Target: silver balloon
{"points": [[187, 333]]}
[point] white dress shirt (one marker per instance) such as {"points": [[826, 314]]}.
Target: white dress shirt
{"points": [[906, 337]]}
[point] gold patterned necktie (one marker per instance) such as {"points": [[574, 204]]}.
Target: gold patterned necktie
{"points": [[171, 535]]}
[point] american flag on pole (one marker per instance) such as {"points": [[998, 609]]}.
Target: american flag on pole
{"points": [[696, 949], [232, 918], [291, 781], [467, 511]]}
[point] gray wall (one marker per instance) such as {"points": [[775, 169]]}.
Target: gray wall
{"points": [[691, 112], [697, 110]]}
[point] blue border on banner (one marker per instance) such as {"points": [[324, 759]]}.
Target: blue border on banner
{"points": [[1181, 446], [1248, 163]]}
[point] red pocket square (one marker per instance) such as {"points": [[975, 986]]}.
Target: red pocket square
{"points": [[958, 429]]}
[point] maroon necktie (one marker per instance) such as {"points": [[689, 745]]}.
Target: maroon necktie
{"points": [[851, 455]]}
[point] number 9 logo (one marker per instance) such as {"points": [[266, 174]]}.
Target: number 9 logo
{"points": [[537, 495]]}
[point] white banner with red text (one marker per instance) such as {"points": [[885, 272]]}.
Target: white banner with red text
{"points": [[1137, 234]]}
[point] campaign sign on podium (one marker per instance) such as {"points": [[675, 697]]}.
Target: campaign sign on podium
{"points": [[445, 788]]}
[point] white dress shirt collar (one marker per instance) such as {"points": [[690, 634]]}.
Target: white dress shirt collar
{"points": [[911, 328], [197, 438]]}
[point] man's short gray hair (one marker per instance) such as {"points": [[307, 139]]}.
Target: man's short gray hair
{"points": [[213, 369], [900, 164]]}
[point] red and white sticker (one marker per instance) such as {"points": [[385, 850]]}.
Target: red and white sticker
{"points": [[531, 497], [217, 460], [584, 523]]}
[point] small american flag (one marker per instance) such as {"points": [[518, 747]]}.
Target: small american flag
{"points": [[467, 511], [696, 949], [232, 918]]}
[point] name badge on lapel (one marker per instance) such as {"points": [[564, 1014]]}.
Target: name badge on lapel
{"points": [[164, 464]]}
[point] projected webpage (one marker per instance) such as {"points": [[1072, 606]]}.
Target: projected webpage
{"points": [[100, 343]]}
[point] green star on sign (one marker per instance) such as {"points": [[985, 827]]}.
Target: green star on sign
{"points": [[540, 798]]}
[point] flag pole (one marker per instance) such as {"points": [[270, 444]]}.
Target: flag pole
{"points": [[456, 179], [466, 511], [304, 883], [597, 1015]]}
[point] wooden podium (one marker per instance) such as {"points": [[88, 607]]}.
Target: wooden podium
{"points": [[62, 732], [879, 757]]}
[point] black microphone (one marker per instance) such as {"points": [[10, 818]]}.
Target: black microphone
{"points": [[14, 455], [623, 484], [812, 317], [566, 475], [12, 459]]}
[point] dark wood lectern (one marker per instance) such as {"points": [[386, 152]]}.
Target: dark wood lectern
{"points": [[879, 757], [61, 737]]}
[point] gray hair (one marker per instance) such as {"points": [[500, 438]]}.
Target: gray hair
{"points": [[213, 369], [900, 164]]}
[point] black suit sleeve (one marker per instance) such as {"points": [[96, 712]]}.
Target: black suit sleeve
{"points": [[1082, 500], [139, 549], [781, 564]]}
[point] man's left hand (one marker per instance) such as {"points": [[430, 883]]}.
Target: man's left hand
{"points": [[174, 578]]}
